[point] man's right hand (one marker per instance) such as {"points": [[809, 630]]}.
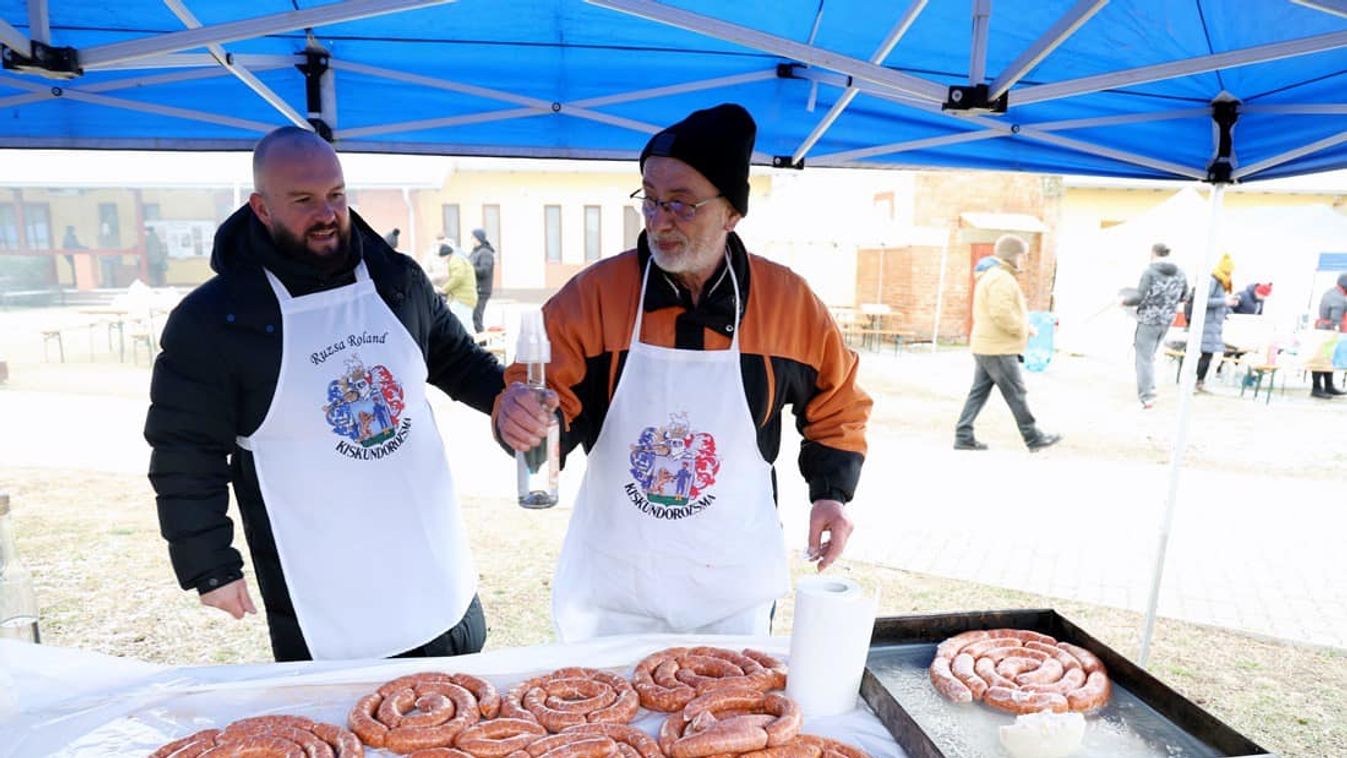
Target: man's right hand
{"points": [[524, 415], [232, 599]]}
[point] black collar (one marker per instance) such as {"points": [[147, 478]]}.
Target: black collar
{"points": [[714, 309]]}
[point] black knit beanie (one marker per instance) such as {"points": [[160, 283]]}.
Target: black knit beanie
{"points": [[718, 142]]}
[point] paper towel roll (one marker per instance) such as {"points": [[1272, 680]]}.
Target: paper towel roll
{"points": [[834, 619]]}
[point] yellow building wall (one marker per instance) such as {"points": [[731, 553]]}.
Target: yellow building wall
{"points": [[1096, 208], [522, 196]]}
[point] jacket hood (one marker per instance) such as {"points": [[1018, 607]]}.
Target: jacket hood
{"points": [[243, 243], [1165, 267]]}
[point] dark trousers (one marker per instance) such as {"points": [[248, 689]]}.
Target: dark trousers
{"points": [[1203, 363], [479, 309], [467, 636], [1323, 380], [1002, 372]]}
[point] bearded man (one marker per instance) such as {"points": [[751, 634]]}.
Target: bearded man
{"points": [[298, 373], [692, 339]]}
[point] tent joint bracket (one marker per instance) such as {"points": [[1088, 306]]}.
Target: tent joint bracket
{"points": [[787, 161], [972, 99], [44, 60]]}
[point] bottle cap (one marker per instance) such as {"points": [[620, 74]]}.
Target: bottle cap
{"points": [[532, 346]]}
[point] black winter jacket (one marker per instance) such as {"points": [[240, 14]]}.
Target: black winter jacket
{"points": [[217, 372]]}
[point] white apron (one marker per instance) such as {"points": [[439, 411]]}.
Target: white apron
{"points": [[674, 527], [350, 464]]}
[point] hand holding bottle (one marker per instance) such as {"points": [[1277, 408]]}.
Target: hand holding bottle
{"points": [[524, 415]]}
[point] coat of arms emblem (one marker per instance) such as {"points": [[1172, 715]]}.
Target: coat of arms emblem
{"points": [[364, 404], [673, 464]]}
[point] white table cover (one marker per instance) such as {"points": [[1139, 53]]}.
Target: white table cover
{"points": [[64, 702]]}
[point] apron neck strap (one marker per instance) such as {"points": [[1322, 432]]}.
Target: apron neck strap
{"points": [[645, 281], [283, 295]]}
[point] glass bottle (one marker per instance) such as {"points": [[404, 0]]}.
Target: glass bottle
{"points": [[536, 469], [18, 604]]}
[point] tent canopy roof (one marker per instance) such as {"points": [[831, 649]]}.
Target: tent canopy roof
{"points": [[1102, 87]]}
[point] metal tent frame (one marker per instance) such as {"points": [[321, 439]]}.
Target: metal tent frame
{"points": [[1062, 86]]}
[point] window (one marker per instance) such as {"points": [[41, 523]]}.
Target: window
{"points": [[151, 211], [552, 232], [593, 217], [491, 225], [9, 228], [109, 227], [449, 218], [631, 227], [37, 225]]}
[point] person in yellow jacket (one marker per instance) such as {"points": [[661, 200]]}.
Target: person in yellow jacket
{"points": [[1000, 332], [460, 289]]}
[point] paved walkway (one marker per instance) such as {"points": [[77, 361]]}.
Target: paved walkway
{"points": [[1266, 557]]}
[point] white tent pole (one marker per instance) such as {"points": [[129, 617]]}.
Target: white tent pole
{"points": [[242, 74], [1186, 67], [676, 89], [44, 93], [1188, 374], [233, 31], [940, 292], [1290, 155], [890, 41], [1318, 109], [133, 105], [14, 39], [1336, 7], [977, 48], [39, 21], [916, 144], [756, 40], [198, 60], [1066, 26]]}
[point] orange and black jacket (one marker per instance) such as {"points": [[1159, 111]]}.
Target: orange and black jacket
{"points": [[792, 354]]}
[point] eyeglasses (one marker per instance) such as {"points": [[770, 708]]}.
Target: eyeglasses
{"points": [[680, 210]]}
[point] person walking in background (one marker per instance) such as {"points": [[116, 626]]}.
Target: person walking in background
{"points": [[460, 286], [1000, 333], [483, 260], [1251, 298], [1220, 299], [1157, 298], [1333, 317], [156, 257]]}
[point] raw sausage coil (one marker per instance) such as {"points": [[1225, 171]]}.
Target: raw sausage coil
{"points": [[667, 680], [499, 737], [267, 737], [809, 746], [572, 696], [730, 720], [421, 711], [1019, 671]]}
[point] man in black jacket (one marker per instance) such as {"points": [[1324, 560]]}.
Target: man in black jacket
{"points": [[483, 260], [298, 374]]}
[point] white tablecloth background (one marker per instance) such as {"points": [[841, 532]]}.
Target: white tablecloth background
{"points": [[64, 702]]}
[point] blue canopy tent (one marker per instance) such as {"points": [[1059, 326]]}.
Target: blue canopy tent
{"points": [[1208, 90]]}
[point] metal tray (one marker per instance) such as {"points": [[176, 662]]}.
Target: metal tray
{"points": [[1144, 717]]}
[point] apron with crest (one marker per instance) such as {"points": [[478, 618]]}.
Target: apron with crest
{"points": [[675, 528], [353, 472]]}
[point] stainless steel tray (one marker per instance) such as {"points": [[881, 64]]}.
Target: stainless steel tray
{"points": [[1144, 717]]}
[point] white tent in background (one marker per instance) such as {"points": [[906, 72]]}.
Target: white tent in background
{"points": [[1280, 245]]}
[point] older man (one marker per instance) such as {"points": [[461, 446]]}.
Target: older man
{"points": [[1001, 331], [299, 373], [673, 363]]}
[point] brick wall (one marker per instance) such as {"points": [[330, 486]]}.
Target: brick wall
{"points": [[907, 278]]}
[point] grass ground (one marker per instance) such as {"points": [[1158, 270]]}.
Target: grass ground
{"points": [[103, 581]]}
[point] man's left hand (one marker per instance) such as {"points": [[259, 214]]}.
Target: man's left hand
{"points": [[828, 517]]}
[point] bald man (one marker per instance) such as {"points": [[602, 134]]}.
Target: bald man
{"points": [[298, 373]]}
